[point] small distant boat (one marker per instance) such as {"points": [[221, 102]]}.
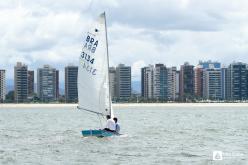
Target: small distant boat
{"points": [[93, 76]]}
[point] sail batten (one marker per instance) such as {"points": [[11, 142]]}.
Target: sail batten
{"points": [[93, 73]]}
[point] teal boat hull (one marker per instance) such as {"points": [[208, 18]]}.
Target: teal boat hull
{"points": [[98, 133]]}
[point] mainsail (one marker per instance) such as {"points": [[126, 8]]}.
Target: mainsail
{"points": [[93, 73]]}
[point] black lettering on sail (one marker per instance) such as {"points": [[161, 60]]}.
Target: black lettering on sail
{"points": [[95, 44], [92, 40]]}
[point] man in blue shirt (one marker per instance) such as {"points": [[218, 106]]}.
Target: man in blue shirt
{"points": [[117, 125]]}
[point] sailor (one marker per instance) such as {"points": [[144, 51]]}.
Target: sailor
{"points": [[117, 125], [110, 126]]}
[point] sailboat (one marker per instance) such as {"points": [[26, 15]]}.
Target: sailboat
{"points": [[93, 75]]}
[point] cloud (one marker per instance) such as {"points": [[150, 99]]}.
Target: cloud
{"points": [[168, 15], [140, 32]]}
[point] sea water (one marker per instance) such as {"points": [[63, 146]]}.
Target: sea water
{"points": [[152, 135]]}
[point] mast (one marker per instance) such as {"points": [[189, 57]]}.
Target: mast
{"points": [[106, 36]]}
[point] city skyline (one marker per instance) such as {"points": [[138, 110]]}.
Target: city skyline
{"points": [[207, 80], [134, 77], [197, 74], [172, 32]]}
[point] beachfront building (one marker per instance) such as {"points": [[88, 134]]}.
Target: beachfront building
{"points": [[30, 83], [47, 82], [177, 84], [198, 81], [186, 79], [224, 81], [237, 83], [142, 78], [123, 82], [160, 82], [172, 83], [57, 84], [112, 82], [71, 90], [20, 82], [147, 76], [2, 86], [212, 84], [198, 75]]}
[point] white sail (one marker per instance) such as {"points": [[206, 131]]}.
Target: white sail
{"points": [[93, 73]]}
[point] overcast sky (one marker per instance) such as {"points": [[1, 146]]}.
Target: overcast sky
{"points": [[141, 32]]}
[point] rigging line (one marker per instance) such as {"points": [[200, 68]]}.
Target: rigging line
{"points": [[98, 113]]}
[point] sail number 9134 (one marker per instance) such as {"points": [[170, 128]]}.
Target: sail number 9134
{"points": [[87, 57]]}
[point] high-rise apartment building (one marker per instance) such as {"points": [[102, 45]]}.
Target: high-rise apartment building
{"points": [[21, 82], [30, 83], [198, 76], [123, 82], [57, 84], [147, 82], [2, 86], [160, 82], [177, 84], [172, 83], [237, 84], [71, 90], [212, 84], [224, 82], [198, 81], [47, 82], [142, 77], [186, 81], [112, 82]]}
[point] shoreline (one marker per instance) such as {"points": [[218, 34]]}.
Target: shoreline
{"points": [[123, 105]]}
